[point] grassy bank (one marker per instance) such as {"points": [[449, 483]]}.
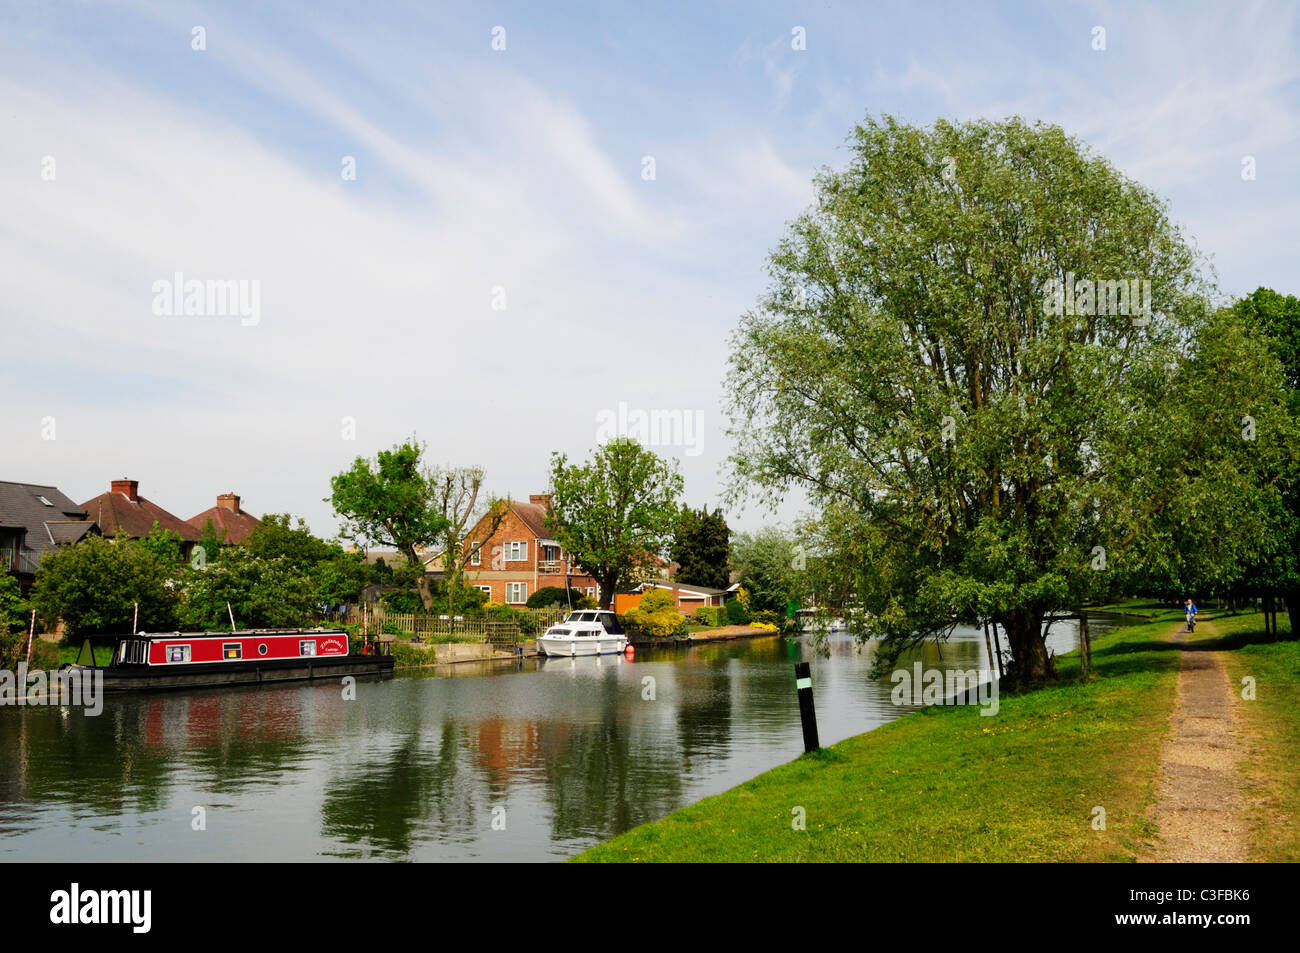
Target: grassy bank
{"points": [[1273, 720], [947, 784]]}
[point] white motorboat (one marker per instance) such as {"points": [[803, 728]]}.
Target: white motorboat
{"points": [[584, 632]]}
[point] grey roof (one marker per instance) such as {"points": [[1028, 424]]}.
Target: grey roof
{"points": [[23, 506]]}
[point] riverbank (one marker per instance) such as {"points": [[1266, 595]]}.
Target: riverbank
{"points": [[1065, 773]]}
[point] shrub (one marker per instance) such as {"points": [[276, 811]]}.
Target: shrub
{"points": [[554, 596], [768, 626], [402, 601], [656, 600], [710, 615], [737, 614], [664, 624], [587, 602], [765, 618]]}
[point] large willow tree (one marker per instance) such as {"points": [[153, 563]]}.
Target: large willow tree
{"points": [[946, 363]]}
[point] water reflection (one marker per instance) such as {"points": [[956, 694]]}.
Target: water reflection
{"points": [[520, 760]]}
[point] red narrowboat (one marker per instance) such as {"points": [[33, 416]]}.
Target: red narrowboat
{"points": [[150, 661]]}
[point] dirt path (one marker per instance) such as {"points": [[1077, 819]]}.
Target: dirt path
{"points": [[1200, 803]]}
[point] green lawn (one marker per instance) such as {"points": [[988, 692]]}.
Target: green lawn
{"points": [[947, 784], [1274, 721]]}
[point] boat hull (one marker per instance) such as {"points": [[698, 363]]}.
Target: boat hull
{"points": [[577, 648], [141, 678]]}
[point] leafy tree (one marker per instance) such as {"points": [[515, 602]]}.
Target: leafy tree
{"points": [[392, 501], [770, 569], [997, 440], [262, 593], [1277, 319], [615, 514], [336, 576], [94, 586], [167, 545], [702, 548], [456, 496]]}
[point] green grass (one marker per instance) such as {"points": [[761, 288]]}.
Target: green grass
{"points": [[947, 784], [1273, 721]]}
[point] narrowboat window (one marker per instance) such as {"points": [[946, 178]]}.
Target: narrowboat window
{"points": [[231, 650], [178, 653], [307, 648], [261, 649]]}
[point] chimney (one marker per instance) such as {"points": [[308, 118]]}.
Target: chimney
{"points": [[128, 488], [542, 499], [228, 501]]}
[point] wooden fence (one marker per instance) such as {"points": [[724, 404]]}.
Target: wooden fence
{"points": [[431, 626]]}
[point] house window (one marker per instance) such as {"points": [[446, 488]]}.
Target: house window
{"points": [[487, 589], [476, 555], [517, 552], [590, 590], [232, 650], [178, 653], [307, 647], [516, 592], [45, 501]]}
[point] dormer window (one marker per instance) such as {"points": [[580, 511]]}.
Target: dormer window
{"points": [[44, 500]]}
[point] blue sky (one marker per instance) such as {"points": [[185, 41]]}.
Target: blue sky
{"points": [[517, 170]]}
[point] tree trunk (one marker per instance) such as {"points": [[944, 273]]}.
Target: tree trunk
{"points": [[1292, 599], [1029, 662], [607, 584], [421, 580]]}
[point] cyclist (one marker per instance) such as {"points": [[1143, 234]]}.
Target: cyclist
{"points": [[1190, 609]]}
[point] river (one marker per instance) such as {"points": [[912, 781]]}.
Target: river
{"points": [[530, 761]]}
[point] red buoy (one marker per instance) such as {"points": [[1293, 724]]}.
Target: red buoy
{"points": [[630, 652]]}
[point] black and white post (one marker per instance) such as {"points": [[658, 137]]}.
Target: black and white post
{"points": [[807, 715]]}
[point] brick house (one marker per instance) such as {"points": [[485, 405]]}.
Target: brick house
{"points": [[227, 516], [123, 510], [520, 557], [36, 519]]}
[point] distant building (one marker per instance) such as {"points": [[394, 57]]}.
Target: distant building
{"points": [[34, 520], [227, 517], [122, 510]]}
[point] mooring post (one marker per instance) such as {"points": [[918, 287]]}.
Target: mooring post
{"points": [[807, 715]]}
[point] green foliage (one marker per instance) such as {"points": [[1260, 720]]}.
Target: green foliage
{"points": [[210, 540], [392, 501], [554, 596], [770, 568], [913, 369], [702, 548], [14, 619], [737, 614], [164, 544], [710, 615], [263, 593], [656, 600], [663, 624], [402, 601], [587, 602], [94, 585], [615, 513]]}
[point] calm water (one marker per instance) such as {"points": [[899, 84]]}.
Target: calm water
{"points": [[562, 754]]}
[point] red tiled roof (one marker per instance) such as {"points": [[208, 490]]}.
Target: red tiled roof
{"points": [[238, 526], [115, 511], [533, 514]]}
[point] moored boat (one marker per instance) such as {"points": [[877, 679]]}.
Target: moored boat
{"points": [[152, 661], [584, 632]]}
